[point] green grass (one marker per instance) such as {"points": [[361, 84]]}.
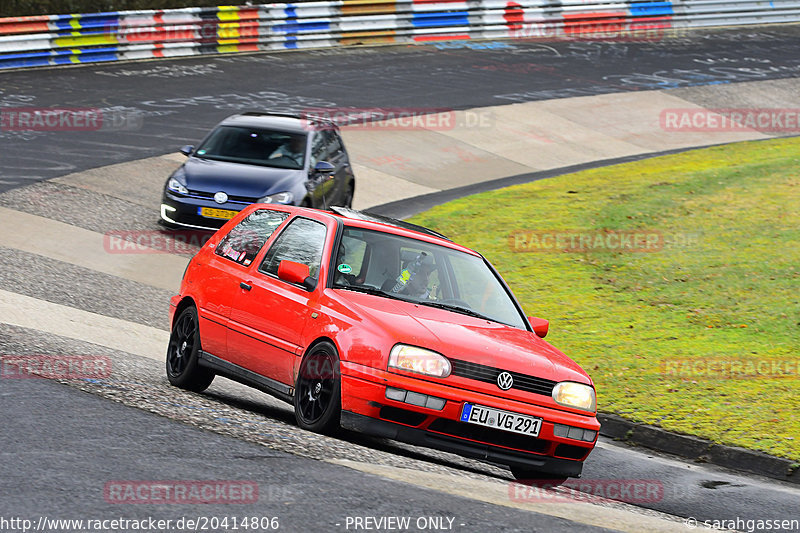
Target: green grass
{"points": [[725, 285]]}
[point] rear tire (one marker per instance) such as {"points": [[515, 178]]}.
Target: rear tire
{"points": [[318, 390], [183, 353]]}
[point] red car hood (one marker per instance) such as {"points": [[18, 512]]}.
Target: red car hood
{"points": [[466, 338]]}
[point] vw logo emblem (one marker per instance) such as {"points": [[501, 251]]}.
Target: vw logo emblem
{"points": [[505, 380], [220, 197]]}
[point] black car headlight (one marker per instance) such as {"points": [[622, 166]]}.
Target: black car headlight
{"points": [[176, 186], [278, 198]]}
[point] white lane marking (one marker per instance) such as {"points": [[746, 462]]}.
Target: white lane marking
{"points": [[499, 492], [84, 248], [26, 312]]}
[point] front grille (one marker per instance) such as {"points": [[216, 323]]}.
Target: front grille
{"points": [[489, 435], [489, 374], [210, 196]]}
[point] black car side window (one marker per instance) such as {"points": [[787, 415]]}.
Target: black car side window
{"points": [[302, 242], [335, 144], [244, 241], [318, 148]]}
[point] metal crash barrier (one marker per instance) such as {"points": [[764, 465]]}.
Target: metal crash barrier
{"points": [[127, 35]]}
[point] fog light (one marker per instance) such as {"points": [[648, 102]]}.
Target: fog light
{"points": [[435, 403], [575, 433], [398, 395], [415, 398], [571, 432]]}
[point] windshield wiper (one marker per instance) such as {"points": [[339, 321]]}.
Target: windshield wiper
{"points": [[456, 309], [372, 290], [448, 307], [242, 161]]}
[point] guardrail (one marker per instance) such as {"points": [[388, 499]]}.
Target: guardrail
{"points": [[126, 35]]}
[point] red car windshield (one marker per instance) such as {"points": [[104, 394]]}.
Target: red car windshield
{"points": [[408, 269]]}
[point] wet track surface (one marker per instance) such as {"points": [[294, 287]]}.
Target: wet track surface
{"points": [[77, 456], [85, 442]]}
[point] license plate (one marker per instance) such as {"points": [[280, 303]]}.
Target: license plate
{"points": [[499, 419], [212, 212]]}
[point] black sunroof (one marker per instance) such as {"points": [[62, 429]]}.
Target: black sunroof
{"points": [[371, 217]]}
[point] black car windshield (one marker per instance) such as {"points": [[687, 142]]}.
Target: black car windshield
{"points": [[254, 146], [402, 268]]}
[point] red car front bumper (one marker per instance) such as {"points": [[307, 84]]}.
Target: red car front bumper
{"points": [[365, 408]]}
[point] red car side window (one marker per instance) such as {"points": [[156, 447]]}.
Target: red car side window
{"points": [[245, 240], [302, 242]]}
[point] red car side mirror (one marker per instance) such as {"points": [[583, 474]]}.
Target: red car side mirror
{"points": [[296, 273], [540, 326]]}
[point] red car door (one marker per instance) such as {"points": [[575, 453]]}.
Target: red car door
{"points": [[229, 263], [215, 298], [269, 314]]}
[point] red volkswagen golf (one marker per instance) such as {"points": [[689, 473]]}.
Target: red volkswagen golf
{"points": [[382, 327]]}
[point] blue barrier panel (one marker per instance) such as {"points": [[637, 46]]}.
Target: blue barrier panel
{"points": [[429, 20], [651, 9]]}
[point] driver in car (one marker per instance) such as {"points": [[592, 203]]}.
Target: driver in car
{"points": [[293, 149], [413, 281], [418, 285]]}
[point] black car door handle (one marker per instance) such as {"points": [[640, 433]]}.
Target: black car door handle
{"points": [[245, 286]]}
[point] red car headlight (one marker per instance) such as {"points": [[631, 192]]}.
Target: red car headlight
{"points": [[575, 395], [419, 361]]}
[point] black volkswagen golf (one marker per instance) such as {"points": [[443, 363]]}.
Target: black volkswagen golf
{"points": [[258, 157]]}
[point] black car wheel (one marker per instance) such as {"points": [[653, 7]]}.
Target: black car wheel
{"points": [[183, 353], [318, 391]]}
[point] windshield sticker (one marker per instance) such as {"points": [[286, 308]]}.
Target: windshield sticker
{"points": [[345, 269]]}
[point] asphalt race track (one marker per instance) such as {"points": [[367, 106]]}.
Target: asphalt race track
{"points": [[63, 292], [153, 107]]}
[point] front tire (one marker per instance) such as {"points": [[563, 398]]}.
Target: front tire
{"points": [[318, 390], [183, 353]]}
